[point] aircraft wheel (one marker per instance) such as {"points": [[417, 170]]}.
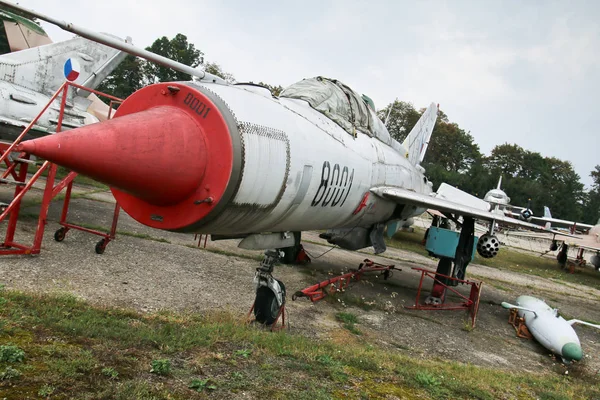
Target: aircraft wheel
{"points": [[561, 257], [60, 234], [101, 246], [595, 261], [266, 308], [291, 253]]}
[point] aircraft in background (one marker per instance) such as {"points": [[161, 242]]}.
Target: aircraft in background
{"points": [[33, 70], [590, 242], [236, 162], [498, 199], [553, 223]]}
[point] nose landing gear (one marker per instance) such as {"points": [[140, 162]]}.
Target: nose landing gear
{"points": [[269, 303]]}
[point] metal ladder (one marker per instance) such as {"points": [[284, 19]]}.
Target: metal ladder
{"points": [[16, 173]]}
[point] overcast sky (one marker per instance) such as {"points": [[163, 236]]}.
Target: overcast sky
{"points": [[524, 72]]}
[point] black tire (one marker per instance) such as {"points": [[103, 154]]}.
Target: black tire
{"points": [[101, 246], [561, 257], [266, 308], [290, 254], [60, 234]]}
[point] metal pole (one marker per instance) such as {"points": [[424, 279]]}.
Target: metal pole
{"points": [[115, 43]]}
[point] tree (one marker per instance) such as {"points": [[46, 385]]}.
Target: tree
{"points": [[125, 79], [452, 148], [215, 69], [275, 90], [506, 159], [401, 120], [591, 203], [134, 73], [177, 49]]}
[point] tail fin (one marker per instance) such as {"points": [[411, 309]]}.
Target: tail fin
{"points": [[547, 213], [41, 69], [418, 139], [499, 183]]}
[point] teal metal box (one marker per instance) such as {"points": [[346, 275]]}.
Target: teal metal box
{"points": [[443, 242]]}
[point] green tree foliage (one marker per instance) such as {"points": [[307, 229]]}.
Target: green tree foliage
{"points": [[547, 181], [134, 73], [453, 157], [591, 204], [177, 49], [215, 69], [275, 90], [451, 153], [402, 117], [125, 79]]}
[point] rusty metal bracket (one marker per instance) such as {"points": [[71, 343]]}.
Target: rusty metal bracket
{"points": [[340, 283], [470, 303]]}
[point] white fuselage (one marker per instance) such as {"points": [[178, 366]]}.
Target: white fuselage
{"points": [[19, 106], [301, 171]]}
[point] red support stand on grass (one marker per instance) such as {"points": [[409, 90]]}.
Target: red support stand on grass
{"points": [[17, 164], [470, 303]]}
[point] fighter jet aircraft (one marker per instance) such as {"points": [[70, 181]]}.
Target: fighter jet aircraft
{"points": [[549, 222], [33, 71], [234, 161]]}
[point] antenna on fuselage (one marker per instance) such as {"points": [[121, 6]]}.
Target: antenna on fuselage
{"points": [[387, 117]]}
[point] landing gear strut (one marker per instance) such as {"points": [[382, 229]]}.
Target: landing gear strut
{"points": [[269, 303], [294, 254], [454, 267]]}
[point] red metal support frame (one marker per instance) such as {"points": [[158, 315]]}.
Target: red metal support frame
{"points": [[50, 191], [274, 326], [470, 303], [198, 237], [32, 123], [340, 283]]}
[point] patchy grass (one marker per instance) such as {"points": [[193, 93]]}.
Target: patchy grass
{"points": [[74, 350], [409, 241], [349, 321], [539, 266], [506, 259]]}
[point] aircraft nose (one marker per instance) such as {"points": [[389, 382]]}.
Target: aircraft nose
{"points": [[572, 351]]}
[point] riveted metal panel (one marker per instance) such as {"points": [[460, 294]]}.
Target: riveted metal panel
{"points": [[266, 151]]}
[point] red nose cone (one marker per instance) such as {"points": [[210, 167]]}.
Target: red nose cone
{"points": [[167, 155], [156, 155]]}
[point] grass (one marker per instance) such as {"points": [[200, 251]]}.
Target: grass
{"points": [[539, 266], [506, 259], [409, 241], [61, 172], [349, 321], [74, 350]]}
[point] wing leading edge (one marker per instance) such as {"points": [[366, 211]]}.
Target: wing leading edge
{"points": [[404, 196]]}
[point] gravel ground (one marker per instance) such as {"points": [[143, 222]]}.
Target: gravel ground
{"points": [[149, 275]]}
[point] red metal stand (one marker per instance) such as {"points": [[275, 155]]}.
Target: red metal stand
{"points": [[17, 164], [302, 258], [274, 326], [519, 324], [470, 303], [340, 283], [198, 237]]}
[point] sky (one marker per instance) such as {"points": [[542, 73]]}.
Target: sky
{"points": [[524, 72]]}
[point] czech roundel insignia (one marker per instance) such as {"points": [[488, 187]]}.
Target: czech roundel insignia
{"points": [[72, 69]]}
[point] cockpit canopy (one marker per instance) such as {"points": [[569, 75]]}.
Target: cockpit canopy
{"points": [[342, 105]]}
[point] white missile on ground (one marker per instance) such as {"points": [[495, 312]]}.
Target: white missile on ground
{"points": [[550, 329]]}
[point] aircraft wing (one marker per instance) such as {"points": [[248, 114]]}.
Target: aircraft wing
{"points": [[404, 196], [590, 248], [560, 223]]}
